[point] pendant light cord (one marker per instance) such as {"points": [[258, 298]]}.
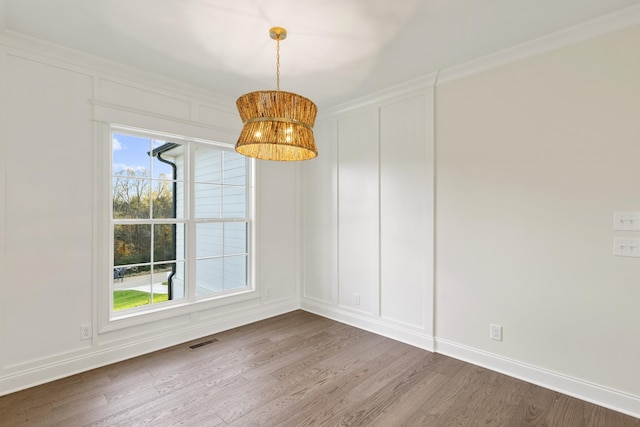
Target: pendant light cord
{"points": [[278, 63]]}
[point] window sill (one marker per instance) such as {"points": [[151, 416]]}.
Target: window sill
{"points": [[171, 309]]}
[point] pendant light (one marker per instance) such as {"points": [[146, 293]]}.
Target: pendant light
{"points": [[278, 125]]}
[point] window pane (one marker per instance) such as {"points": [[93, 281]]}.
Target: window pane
{"points": [[208, 240], [207, 201], [235, 272], [234, 168], [180, 242], [133, 290], [124, 273], [164, 241], [209, 276], [130, 197], [168, 164], [162, 193], [167, 161], [162, 170], [131, 155], [235, 238], [177, 281], [131, 244], [160, 279], [179, 199], [234, 202], [208, 164]]}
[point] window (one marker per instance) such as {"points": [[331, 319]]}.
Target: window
{"points": [[180, 222]]}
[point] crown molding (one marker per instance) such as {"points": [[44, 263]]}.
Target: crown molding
{"points": [[399, 90], [601, 26], [52, 53]]}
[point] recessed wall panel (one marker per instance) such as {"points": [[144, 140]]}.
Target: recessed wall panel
{"points": [[405, 190], [48, 213], [276, 254], [320, 218], [146, 100], [358, 238], [220, 118]]}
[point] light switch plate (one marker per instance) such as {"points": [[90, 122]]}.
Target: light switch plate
{"points": [[626, 246], [626, 221]]}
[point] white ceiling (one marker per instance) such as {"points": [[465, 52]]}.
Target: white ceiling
{"points": [[336, 50]]}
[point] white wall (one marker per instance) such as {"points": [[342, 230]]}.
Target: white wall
{"points": [[3, 15], [55, 103], [533, 158]]}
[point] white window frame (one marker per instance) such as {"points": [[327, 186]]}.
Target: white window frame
{"points": [[112, 320]]}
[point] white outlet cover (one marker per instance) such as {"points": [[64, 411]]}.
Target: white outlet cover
{"points": [[85, 331], [495, 332]]}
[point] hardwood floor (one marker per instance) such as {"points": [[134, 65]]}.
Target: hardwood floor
{"points": [[294, 370]]}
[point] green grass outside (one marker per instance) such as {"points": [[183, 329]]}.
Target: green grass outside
{"points": [[128, 299]]}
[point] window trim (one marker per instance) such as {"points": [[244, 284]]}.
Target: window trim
{"points": [[107, 321]]}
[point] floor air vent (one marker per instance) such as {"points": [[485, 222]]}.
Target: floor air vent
{"points": [[202, 344]]}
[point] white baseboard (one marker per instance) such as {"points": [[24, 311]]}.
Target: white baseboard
{"points": [[376, 325], [580, 389], [583, 390], [97, 357]]}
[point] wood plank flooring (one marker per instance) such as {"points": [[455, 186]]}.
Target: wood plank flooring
{"points": [[297, 369]]}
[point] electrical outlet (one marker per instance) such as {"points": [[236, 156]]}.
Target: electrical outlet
{"points": [[495, 332], [85, 331], [268, 293], [356, 299]]}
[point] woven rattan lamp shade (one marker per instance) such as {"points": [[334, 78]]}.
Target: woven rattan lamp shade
{"points": [[277, 126]]}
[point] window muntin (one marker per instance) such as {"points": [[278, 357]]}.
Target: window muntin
{"points": [[153, 209]]}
